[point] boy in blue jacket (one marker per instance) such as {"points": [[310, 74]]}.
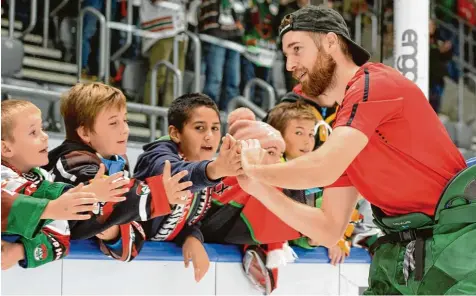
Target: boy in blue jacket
{"points": [[194, 136]]}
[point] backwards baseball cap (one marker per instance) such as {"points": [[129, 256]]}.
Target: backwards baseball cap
{"points": [[322, 19]]}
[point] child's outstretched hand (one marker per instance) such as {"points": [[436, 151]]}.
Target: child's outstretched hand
{"points": [[228, 162], [11, 254], [175, 190], [71, 205], [194, 250], [107, 189]]}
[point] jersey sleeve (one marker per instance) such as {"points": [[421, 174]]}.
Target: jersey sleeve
{"points": [[51, 243], [21, 214], [364, 114]]}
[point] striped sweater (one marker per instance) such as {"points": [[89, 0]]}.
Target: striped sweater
{"points": [[163, 18], [219, 18]]}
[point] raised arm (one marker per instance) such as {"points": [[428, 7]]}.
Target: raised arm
{"points": [[319, 168]]}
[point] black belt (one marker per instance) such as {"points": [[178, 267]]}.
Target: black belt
{"points": [[417, 235]]}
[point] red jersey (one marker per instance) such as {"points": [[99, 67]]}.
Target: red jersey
{"points": [[410, 157]]}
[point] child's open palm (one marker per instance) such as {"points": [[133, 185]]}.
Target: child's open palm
{"points": [[176, 191], [108, 189]]}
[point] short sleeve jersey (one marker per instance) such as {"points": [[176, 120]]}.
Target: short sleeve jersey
{"points": [[410, 157]]}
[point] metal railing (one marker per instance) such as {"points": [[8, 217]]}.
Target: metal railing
{"points": [[241, 101], [32, 23], [461, 60], [257, 82], [358, 29], [46, 23], [54, 97], [55, 18], [153, 92], [11, 18], [197, 61], [103, 75], [461, 90], [128, 42], [60, 6]]}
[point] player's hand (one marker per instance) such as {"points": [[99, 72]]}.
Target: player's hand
{"points": [[193, 250], [176, 191], [251, 155]]}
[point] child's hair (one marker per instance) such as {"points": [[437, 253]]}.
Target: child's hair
{"points": [[11, 108], [82, 104], [182, 107], [280, 115]]}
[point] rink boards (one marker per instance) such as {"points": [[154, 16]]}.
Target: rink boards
{"points": [[159, 270]]}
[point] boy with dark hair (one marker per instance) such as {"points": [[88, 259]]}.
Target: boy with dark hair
{"points": [[194, 136]]}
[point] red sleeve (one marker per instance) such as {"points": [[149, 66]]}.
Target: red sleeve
{"points": [[343, 181], [366, 111]]}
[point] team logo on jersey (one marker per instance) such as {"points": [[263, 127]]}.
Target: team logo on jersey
{"points": [[40, 253], [142, 189]]}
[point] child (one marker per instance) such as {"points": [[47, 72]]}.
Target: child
{"points": [[194, 136], [30, 200], [96, 134], [325, 116], [236, 217]]}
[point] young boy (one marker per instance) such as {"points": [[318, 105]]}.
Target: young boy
{"points": [[30, 201], [194, 136], [236, 217], [95, 118], [324, 116]]}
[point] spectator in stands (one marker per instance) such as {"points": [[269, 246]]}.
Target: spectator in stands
{"points": [[260, 40], [90, 23], [164, 20], [34, 209], [286, 7], [220, 65], [440, 54], [194, 136], [96, 135]]}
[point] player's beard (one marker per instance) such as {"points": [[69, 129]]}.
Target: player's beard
{"points": [[321, 77]]}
